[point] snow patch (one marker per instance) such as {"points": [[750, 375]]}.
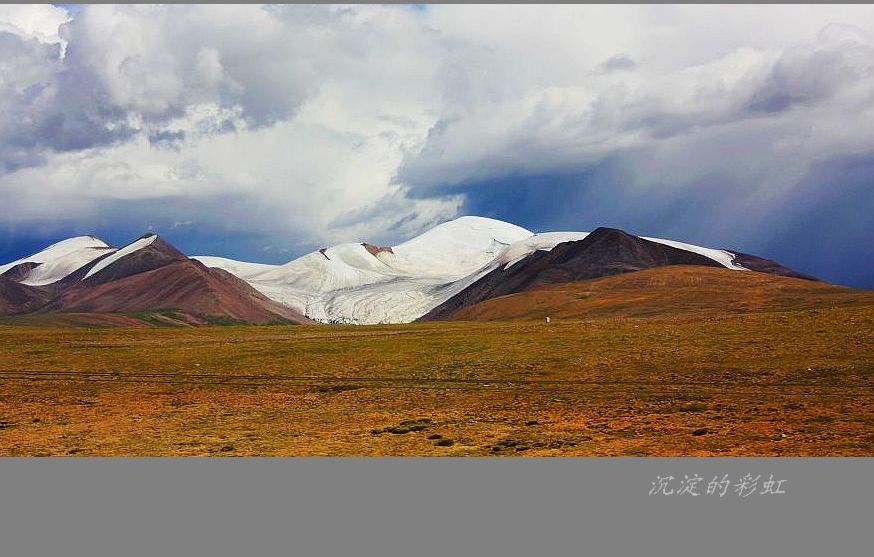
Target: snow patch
{"points": [[543, 242], [127, 250], [724, 258]]}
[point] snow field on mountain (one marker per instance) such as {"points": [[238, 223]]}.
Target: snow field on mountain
{"points": [[348, 284], [61, 259]]}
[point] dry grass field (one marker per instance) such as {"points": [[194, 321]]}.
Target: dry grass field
{"points": [[759, 380]]}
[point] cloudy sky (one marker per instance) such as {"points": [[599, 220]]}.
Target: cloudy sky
{"points": [[261, 133]]}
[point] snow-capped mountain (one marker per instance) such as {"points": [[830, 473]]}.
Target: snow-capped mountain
{"points": [[448, 267], [148, 277], [362, 283], [57, 261]]}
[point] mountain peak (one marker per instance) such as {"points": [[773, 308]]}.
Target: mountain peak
{"points": [[473, 222], [604, 230], [56, 261], [610, 234], [146, 253], [62, 248], [467, 231]]}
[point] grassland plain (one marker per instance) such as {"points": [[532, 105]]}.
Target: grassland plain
{"points": [[797, 382]]}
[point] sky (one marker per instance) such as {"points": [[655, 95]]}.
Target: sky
{"points": [[262, 133]]}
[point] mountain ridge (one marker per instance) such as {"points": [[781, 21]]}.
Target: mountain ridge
{"points": [[453, 265], [148, 276]]}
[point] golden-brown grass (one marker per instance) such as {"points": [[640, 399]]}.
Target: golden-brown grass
{"points": [[674, 290], [768, 381]]}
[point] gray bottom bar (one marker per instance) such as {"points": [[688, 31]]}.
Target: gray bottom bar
{"points": [[412, 507]]}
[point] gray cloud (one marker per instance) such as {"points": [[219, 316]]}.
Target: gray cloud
{"points": [[840, 59], [617, 63]]}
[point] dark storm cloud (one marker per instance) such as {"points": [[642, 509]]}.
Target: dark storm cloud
{"points": [[825, 225], [606, 195]]}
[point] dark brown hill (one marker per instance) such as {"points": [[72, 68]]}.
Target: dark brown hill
{"points": [[185, 286], [604, 252]]}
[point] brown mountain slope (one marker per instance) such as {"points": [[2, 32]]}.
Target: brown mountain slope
{"points": [[186, 286], [19, 298], [666, 291]]}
